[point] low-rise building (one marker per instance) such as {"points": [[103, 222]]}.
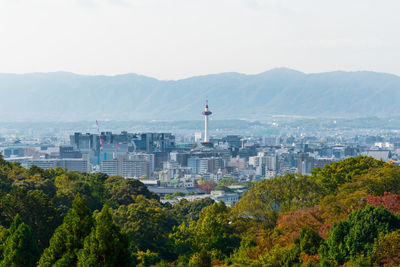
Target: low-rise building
{"points": [[218, 195], [80, 165]]}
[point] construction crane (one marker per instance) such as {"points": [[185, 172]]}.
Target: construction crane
{"points": [[116, 150], [101, 142]]}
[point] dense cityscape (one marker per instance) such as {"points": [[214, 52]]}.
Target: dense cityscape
{"points": [[193, 165]]}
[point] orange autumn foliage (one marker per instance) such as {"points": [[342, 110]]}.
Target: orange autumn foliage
{"points": [[388, 200], [293, 222], [320, 217], [313, 259]]}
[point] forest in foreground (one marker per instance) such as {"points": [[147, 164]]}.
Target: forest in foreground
{"points": [[345, 214]]}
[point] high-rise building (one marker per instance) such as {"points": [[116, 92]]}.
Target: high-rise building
{"points": [[215, 164], [304, 163], [180, 157], [134, 168], [144, 156], [197, 137], [272, 162], [85, 142], [110, 167], [14, 152], [68, 152], [233, 141], [205, 165]]}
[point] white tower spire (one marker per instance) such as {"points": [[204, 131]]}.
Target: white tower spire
{"points": [[206, 113]]}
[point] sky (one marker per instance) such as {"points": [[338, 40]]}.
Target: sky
{"points": [[174, 39]]}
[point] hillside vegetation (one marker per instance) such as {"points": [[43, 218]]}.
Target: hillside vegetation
{"points": [[344, 214]]}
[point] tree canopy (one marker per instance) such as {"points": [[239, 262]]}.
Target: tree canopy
{"points": [[345, 213]]}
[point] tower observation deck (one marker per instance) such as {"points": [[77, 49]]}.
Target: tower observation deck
{"points": [[206, 141]]}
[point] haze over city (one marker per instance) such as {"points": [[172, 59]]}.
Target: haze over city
{"points": [[182, 38]]}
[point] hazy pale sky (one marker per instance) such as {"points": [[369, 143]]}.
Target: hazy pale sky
{"points": [[172, 39]]}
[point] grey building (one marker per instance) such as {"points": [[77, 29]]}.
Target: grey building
{"points": [[80, 165], [126, 167]]}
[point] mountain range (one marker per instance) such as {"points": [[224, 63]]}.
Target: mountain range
{"points": [[63, 96]]}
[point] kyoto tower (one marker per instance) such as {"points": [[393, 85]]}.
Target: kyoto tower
{"points": [[206, 142]]}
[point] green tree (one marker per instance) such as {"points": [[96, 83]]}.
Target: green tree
{"points": [[36, 182], [35, 170], [243, 255], [262, 203], [71, 183], [98, 191], [20, 248], [282, 256], [358, 261], [182, 238], [333, 175], [223, 188], [3, 237], [386, 250], [201, 259], [147, 224], [228, 182], [68, 238], [11, 170], [213, 232], [380, 180], [106, 245], [336, 245], [186, 210], [308, 241], [35, 209], [173, 196], [357, 235], [147, 258], [51, 174], [121, 190], [5, 183]]}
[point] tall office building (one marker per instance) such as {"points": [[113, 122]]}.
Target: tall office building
{"points": [[68, 152], [205, 165], [180, 157], [272, 162], [304, 163]]}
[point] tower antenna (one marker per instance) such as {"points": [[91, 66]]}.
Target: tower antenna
{"points": [[206, 141]]}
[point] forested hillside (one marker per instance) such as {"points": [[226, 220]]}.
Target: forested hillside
{"points": [[347, 213], [65, 96]]}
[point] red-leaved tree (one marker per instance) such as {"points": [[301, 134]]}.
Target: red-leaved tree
{"points": [[388, 200], [207, 186]]}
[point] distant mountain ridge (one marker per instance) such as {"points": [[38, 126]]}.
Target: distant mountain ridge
{"points": [[63, 96]]}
